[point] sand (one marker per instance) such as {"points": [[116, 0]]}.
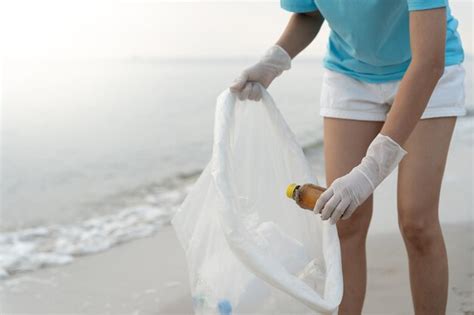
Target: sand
{"points": [[149, 276]]}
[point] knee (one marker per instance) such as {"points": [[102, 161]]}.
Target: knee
{"points": [[355, 228], [419, 233]]}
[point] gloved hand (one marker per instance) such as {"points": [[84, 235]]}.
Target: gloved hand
{"points": [[272, 64], [350, 191]]}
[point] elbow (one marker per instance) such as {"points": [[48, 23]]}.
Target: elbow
{"points": [[434, 67], [437, 69]]}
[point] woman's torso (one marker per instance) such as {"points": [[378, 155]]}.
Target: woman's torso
{"points": [[370, 39]]}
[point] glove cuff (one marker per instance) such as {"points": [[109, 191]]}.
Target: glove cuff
{"points": [[277, 58], [383, 156]]}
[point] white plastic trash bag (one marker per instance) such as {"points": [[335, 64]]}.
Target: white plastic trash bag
{"points": [[249, 248]]}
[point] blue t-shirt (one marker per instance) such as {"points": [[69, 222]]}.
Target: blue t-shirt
{"points": [[370, 39]]}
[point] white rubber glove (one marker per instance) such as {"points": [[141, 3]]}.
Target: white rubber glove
{"points": [[272, 64], [348, 192]]}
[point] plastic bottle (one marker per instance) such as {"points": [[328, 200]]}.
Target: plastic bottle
{"points": [[305, 195]]}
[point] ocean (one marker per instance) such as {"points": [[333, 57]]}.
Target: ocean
{"points": [[100, 152]]}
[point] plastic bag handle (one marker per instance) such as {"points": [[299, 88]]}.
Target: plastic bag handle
{"points": [[237, 236]]}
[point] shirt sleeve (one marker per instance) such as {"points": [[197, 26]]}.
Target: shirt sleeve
{"points": [[415, 5], [298, 6]]}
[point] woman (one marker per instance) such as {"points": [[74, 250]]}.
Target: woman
{"points": [[393, 87]]}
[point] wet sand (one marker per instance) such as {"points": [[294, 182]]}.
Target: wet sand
{"points": [[149, 276]]}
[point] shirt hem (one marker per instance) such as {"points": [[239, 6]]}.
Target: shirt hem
{"points": [[425, 5], [380, 78], [298, 9]]}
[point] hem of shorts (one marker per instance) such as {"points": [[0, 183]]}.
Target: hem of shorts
{"points": [[352, 115], [364, 116], [445, 112]]}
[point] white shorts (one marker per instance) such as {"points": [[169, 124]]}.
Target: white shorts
{"points": [[347, 98]]}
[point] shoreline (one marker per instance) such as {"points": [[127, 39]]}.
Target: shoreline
{"points": [[149, 276]]}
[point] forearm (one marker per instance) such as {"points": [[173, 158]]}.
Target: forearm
{"points": [[411, 100], [300, 32]]}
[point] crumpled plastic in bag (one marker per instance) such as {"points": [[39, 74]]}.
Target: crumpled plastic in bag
{"points": [[249, 248]]}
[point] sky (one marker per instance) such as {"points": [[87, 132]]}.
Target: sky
{"points": [[63, 29]]}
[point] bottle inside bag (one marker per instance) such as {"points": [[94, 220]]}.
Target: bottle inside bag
{"points": [[305, 195]]}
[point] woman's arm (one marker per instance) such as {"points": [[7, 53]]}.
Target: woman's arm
{"points": [[427, 40], [300, 32]]}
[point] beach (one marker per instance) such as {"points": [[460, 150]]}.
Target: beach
{"points": [[107, 121], [149, 275]]}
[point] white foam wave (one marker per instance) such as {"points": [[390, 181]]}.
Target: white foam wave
{"points": [[39, 247]]}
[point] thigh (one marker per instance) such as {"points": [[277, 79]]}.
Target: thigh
{"points": [[345, 144], [420, 173]]}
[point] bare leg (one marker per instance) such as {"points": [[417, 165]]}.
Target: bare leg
{"points": [[345, 144], [419, 183]]}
